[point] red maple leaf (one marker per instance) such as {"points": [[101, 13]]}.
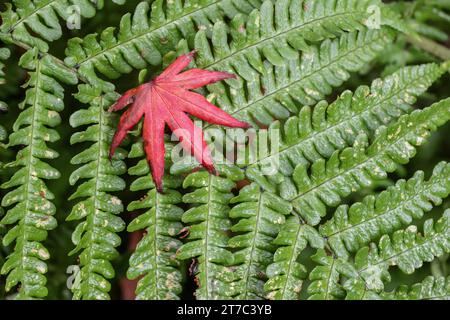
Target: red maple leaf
{"points": [[167, 99]]}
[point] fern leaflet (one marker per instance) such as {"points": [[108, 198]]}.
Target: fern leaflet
{"points": [[32, 212]]}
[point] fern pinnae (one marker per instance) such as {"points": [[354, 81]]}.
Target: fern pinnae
{"points": [[32, 212], [325, 278], [407, 249], [353, 168], [260, 216], [276, 91], [95, 236], [209, 228], [286, 274], [144, 37], [350, 228], [4, 55], [318, 132], [37, 22], [154, 259], [431, 288]]}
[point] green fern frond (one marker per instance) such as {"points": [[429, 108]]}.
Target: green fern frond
{"points": [[154, 260], [318, 132], [144, 37], [4, 55], [277, 32], [260, 216], [325, 278], [407, 249], [286, 274], [209, 228], [37, 22], [312, 188], [32, 211], [431, 288], [96, 236], [350, 228], [266, 93]]}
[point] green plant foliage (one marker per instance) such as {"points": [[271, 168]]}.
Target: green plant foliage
{"points": [[286, 274], [265, 47], [208, 224], [31, 215], [266, 92], [350, 228], [96, 235], [154, 259], [144, 37], [431, 288], [4, 54], [325, 278], [318, 132], [36, 22], [425, 16], [407, 249], [326, 182], [260, 216], [347, 93]]}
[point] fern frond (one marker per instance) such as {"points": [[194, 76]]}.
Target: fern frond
{"points": [[96, 236], [318, 132], [36, 22], [312, 188], [267, 92], [350, 228], [154, 260], [325, 278], [4, 55], [260, 216], [286, 274], [209, 226], [144, 37], [32, 211], [407, 249], [431, 288]]}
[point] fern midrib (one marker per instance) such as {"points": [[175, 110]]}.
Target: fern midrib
{"points": [[155, 246], [208, 289], [385, 260], [90, 218], [23, 234], [292, 260], [280, 34], [330, 275], [403, 203], [30, 162], [369, 157], [35, 11], [313, 72], [144, 34], [343, 121], [427, 242], [253, 246]]}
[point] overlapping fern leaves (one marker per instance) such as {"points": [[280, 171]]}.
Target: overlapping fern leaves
{"points": [[407, 249], [316, 133], [235, 242], [328, 181], [36, 22], [144, 37]]}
